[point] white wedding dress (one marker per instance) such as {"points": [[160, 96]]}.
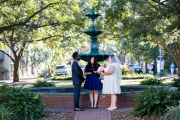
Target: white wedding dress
{"points": [[111, 84]]}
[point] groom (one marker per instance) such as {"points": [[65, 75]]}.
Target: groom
{"points": [[77, 77]]}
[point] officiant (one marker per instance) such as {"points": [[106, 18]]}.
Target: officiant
{"points": [[93, 81]]}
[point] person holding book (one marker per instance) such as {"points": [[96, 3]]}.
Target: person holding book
{"points": [[93, 81]]}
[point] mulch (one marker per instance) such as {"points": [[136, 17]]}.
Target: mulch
{"points": [[124, 115], [59, 116]]}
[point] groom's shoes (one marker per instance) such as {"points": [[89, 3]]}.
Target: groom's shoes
{"points": [[78, 109]]}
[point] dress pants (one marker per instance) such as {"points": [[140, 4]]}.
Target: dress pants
{"points": [[77, 90]]}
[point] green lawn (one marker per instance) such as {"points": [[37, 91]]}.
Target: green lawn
{"points": [[63, 83]]}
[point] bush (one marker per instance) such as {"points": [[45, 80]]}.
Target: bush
{"points": [[173, 112], [27, 106], [43, 83], [154, 101], [151, 81], [164, 72], [44, 73], [7, 113], [133, 76], [61, 78], [125, 70], [176, 82]]}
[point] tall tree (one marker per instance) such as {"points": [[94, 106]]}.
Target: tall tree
{"points": [[47, 20], [157, 21]]}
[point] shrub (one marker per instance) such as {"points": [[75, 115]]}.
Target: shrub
{"points": [[132, 77], [173, 112], [176, 82], [151, 81], [3, 70], [164, 72], [7, 113], [28, 106], [43, 83], [61, 78], [125, 70], [154, 101], [44, 72]]}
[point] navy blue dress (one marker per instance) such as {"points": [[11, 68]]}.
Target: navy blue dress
{"points": [[93, 82]]}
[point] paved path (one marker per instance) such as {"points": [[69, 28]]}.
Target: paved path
{"points": [[93, 114], [89, 114]]}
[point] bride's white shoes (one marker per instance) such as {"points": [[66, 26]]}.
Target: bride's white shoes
{"points": [[112, 108], [108, 108]]}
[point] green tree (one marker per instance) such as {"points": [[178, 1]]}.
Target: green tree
{"points": [[47, 20], [156, 21], [141, 50]]}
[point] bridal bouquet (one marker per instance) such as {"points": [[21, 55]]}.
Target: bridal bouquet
{"points": [[100, 69]]}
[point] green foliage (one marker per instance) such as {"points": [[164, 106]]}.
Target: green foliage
{"points": [[151, 81], [125, 70], [173, 112], [43, 83], [7, 113], [3, 70], [153, 101], [176, 82], [61, 78], [163, 73], [49, 21], [133, 77], [136, 76], [142, 21], [44, 72], [38, 55], [27, 106]]}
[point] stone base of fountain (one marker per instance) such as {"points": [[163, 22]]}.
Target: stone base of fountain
{"points": [[63, 97], [66, 100]]}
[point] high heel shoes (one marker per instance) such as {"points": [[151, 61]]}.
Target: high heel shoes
{"points": [[112, 108], [108, 108]]}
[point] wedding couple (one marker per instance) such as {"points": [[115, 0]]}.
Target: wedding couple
{"points": [[111, 85]]}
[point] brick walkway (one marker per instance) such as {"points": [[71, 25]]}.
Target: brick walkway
{"points": [[89, 114], [93, 114]]}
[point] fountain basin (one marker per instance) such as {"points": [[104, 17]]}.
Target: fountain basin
{"points": [[93, 32], [124, 89], [99, 57]]}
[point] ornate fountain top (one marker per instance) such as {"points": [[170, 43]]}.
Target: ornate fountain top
{"points": [[93, 31], [92, 10], [94, 43]]}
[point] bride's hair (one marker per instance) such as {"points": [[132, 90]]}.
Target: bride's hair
{"points": [[113, 59], [111, 55]]}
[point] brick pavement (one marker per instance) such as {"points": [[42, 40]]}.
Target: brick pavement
{"points": [[89, 114], [93, 114]]}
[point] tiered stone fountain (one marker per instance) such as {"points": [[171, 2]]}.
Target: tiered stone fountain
{"points": [[94, 43]]}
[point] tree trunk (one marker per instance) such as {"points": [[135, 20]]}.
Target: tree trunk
{"points": [[146, 67], [16, 71], [175, 54], [155, 64], [178, 67]]}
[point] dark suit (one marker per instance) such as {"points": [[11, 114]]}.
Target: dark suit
{"points": [[77, 77]]}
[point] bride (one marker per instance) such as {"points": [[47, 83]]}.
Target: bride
{"points": [[112, 78]]}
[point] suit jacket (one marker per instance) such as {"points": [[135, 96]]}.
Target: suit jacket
{"points": [[77, 74]]}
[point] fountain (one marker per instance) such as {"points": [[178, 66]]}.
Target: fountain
{"points": [[94, 45]]}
